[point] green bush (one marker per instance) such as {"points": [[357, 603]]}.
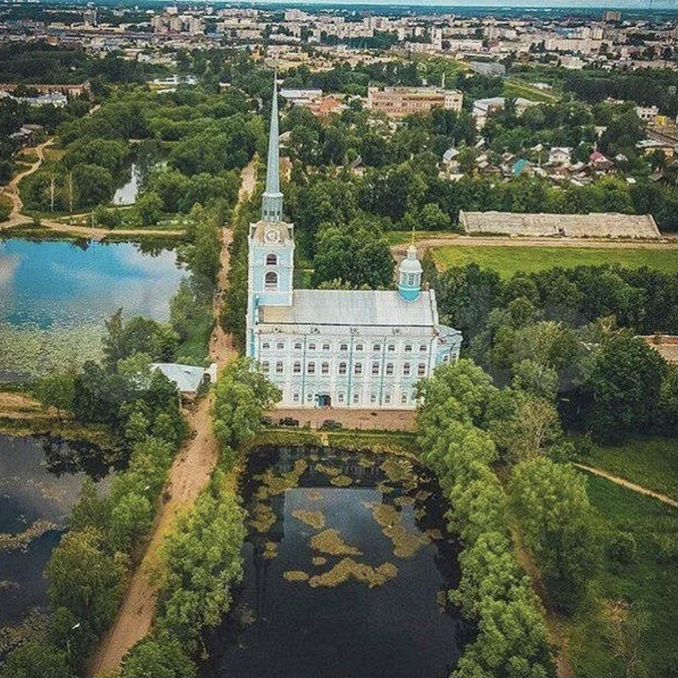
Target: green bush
{"points": [[622, 548]]}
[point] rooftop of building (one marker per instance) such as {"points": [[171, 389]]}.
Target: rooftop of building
{"points": [[355, 308], [598, 224]]}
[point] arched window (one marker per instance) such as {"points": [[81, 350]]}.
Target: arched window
{"points": [[271, 281], [271, 260]]}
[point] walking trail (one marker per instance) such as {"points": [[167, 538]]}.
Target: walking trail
{"points": [[188, 476], [17, 218], [629, 485]]}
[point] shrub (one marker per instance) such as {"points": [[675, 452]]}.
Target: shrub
{"points": [[622, 548]]}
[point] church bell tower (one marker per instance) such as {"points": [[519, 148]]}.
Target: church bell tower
{"points": [[271, 239]]}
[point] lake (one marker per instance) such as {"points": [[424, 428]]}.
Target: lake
{"points": [[40, 481], [55, 296], [347, 565], [64, 284]]}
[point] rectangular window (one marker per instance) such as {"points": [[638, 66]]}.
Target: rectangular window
{"points": [[342, 368], [373, 398], [295, 397], [297, 346], [358, 368], [408, 347], [340, 397], [391, 347], [343, 347], [326, 347], [375, 368], [311, 347], [356, 398], [358, 347], [279, 367], [387, 398], [421, 369], [376, 348], [325, 368], [266, 345], [265, 367], [310, 368], [406, 369], [422, 348], [403, 398], [389, 369], [297, 368], [280, 345]]}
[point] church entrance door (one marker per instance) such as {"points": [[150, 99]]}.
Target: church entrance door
{"points": [[324, 400]]}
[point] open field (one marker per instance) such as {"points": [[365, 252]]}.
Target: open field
{"points": [[508, 260], [517, 88], [650, 462], [635, 599]]}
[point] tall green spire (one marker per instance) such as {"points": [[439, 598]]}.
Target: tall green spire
{"points": [[272, 202]]}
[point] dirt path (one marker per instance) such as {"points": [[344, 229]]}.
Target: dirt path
{"points": [[12, 189], [554, 623], [188, 476], [629, 485], [423, 244]]}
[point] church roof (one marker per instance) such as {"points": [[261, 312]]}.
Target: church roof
{"points": [[374, 308], [284, 230]]}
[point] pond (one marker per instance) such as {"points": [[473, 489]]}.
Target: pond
{"points": [[127, 193], [347, 564], [40, 481], [55, 296]]}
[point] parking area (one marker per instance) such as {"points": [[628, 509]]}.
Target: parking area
{"points": [[381, 420]]}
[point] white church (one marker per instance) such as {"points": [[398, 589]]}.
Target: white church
{"points": [[361, 349]]}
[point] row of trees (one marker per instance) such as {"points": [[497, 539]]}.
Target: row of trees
{"points": [[493, 592], [203, 555], [466, 425]]}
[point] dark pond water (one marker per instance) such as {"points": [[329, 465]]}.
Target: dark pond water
{"points": [[347, 562], [63, 284], [40, 481]]}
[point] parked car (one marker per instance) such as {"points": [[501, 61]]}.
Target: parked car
{"points": [[331, 425], [289, 421]]}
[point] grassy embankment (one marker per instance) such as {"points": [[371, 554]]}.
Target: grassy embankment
{"points": [[627, 626], [509, 260]]}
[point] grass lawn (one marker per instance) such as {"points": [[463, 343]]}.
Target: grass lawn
{"points": [[644, 590], [650, 462], [510, 260]]}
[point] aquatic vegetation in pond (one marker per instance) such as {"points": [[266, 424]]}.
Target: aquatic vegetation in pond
{"points": [[320, 602], [314, 519], [348, 569], [9, 542], [295, 575], [270, 550], [330, 542], [406, 543], [341, 481]]}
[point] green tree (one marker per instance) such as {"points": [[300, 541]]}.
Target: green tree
{"points": [[557, 521], [130, 520], [158, 657], [149, 207], [36, 659], [625, 386], [84, 579], [56, 390], [357, 254], [241, 395]]}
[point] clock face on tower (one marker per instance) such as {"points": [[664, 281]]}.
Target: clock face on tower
{"points": [[272, 235]]}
